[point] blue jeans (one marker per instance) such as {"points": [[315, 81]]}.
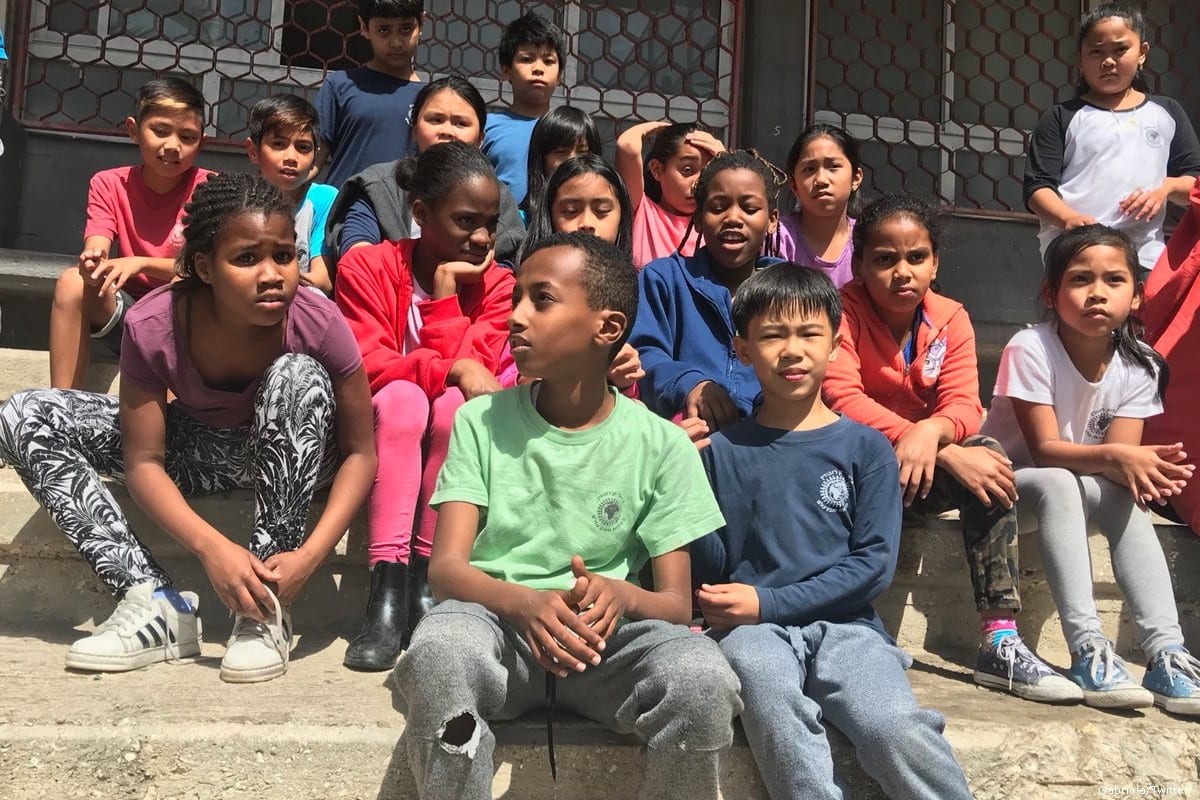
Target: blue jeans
{"points": [[846, 673]]}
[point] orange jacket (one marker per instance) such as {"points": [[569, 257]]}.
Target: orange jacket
{"points": [[869, 383]]}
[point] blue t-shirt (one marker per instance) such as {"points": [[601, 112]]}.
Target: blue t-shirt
{"points": [[506, 145], [3, 54], [365, 118], [311, 218], [812, 519]]}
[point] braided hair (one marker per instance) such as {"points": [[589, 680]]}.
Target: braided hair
{"points": [[773, 180], [214, 203]]}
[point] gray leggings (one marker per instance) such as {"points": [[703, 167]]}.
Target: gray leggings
{"points": [[1064, 508]]}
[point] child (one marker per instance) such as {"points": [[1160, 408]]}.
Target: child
{"points": [[365, 111], [812, 503], [586, 194], [662, 190], [1113, 154], [371, 207], [824, 173], [553, 498], [560, 134], [684, 331], [138, 209], [429, 316], [1071, 398], [269, 393], [532, 50], [907, 368], [283, 145]]}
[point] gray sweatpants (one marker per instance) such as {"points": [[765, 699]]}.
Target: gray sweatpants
{"points": [[1064, 508], [793, 677], [465, 666]]}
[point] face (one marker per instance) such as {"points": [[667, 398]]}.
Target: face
{"points": [[736, 218], [169, 142], [1110, 56], [1097, 293], [393, 39], [561, 153], [551, 327], [252, 270], [462, 227], [533, 75], [446, 117], [823, 179], [586, 203], [897, 266], [284, 158], [790, 352], [678, 176]]}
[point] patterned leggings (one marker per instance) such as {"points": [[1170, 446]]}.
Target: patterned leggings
{"points": [[62, 441]]}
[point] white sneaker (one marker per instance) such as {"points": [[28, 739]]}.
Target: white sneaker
{"points": [[142, 630], [258, 651]]}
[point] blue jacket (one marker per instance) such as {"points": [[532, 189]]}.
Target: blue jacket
{"points": [[684, 334]]}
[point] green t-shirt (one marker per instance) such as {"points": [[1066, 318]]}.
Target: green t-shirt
{"points": [[617, 494]]}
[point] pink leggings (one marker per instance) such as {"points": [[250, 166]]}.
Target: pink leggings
{"points": [[411, 437]]}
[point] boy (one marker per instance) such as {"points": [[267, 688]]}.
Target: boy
{"points": [[552, 496], [813, 508], [139, 208], [531, 53], [364, 111], [283, 145]]}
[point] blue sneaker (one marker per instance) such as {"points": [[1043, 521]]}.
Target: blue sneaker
{"points": [[1105, 678], [1174, 679]]}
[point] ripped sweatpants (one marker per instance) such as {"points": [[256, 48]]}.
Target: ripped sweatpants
{"points": [[465, 667], [62, 441]]}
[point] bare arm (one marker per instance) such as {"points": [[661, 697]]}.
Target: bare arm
{"points": [[318, 275], [629, 158], [1050, 208]]}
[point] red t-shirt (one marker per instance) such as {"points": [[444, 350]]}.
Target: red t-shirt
{"points": [[140, 221]]}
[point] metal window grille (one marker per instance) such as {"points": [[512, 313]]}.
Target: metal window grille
{"points": [[82, 61]]}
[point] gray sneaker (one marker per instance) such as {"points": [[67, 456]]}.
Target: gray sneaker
{"points": [[1012, 667]]}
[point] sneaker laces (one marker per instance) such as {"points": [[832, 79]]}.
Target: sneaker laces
{"points": [[1012, 649], [1103, 655], [125, 617], [245, 625], [1183, 663]]}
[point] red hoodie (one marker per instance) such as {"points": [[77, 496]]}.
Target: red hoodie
{"points": [[869, 383], [374, 291]]}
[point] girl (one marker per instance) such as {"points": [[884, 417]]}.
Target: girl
{"points": [[684, 327], [585, 193], [824, 173], [1071, 398], [430, 318], [661, 190], [1113, 154], [372, 207], [562, 133], [907, 368], [269, 393]]}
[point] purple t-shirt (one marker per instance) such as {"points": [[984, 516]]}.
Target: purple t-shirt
{"points": [[155, 356], [792, 247]]}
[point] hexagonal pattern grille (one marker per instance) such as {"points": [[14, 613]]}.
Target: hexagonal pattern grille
{"points": [[628, 61]]}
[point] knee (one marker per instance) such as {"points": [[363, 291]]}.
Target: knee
{"points": [[701, 691], [1048, 484], [401, 410], [68, 289], [24, 410], [902, 735], [744, 648], [979, 440]]}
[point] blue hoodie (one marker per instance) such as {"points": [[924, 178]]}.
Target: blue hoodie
{"points": [[684, 334]]}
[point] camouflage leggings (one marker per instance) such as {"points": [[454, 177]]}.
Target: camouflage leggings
{"points": [[989, 535]]}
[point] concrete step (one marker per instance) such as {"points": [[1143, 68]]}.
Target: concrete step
{"points": [[30, 369]]}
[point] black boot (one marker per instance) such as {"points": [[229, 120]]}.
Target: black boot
{"points": [[420, 598], [381, 639]]}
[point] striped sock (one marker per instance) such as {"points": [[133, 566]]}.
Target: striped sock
{"points": [[993, 630]]}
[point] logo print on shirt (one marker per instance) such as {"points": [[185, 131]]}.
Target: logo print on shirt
{"points": [[1097, 424], [1154, 137], [934, 359], [834, 495], [175, 239], [608, 514]]}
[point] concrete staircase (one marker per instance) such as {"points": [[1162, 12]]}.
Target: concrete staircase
{"points": [[175, 731]]}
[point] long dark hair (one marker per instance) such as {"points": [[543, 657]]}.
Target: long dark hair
{"points": [[559, 127], [541, 226], [845, 142]]}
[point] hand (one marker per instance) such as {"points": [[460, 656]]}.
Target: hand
{"points": [[110, 275], [709, 145], [472, 378], [727, 605], [89, 262], [601, 601], [710, 402], [561, 642], [697, 431], [238, 578], [917, 453], [985, 473], [1074, 220], [1143, 204], [449, 275], [294, 568], [1152, 472], [626, 368]]}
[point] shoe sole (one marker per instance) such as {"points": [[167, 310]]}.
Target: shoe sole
{"points": [[94, 662], [368, 666], [1038, 694], [257, 675], [1119, 698], [1184, 706]]}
